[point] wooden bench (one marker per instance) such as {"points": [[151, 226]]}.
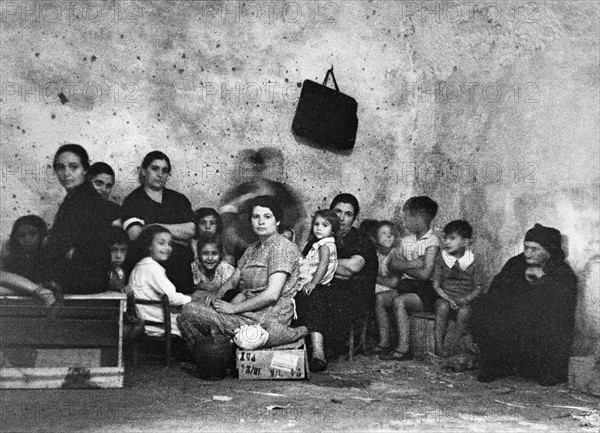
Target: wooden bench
{"points": [[76, 345]]}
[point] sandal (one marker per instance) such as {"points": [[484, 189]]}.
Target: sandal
{"points": [[395, 355], [317, 365]]}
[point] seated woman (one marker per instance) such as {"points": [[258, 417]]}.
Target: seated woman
{"points": [[266, 274], [77, 243], [525, 323], [154, 203]]}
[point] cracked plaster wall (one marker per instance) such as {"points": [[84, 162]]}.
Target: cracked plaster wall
{"points": [[492, 108]]}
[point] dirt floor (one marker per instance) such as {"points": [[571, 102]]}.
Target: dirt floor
{"points": [[365, 395]]}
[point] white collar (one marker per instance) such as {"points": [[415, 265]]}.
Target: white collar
{"points": [[464, 262]]}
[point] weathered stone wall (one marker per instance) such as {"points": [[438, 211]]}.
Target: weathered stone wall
{"points": [[490, 108]]}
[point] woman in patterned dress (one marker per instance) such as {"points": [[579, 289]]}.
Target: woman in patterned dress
{"points": [[266, 276]]}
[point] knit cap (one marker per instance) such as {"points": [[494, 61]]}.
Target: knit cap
{"points": [[548, 237]]}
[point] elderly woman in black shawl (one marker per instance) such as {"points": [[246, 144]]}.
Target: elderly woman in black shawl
{"points": [[525, 323]]}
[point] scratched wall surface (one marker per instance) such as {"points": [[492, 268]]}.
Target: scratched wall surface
{"points": [[491, 108]]}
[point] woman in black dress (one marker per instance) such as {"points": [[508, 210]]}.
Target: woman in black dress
{"points": [[153, 203], [77, 243], [524, 325]]}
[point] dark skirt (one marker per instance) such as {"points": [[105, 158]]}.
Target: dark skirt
{"points": [[331, 309]]}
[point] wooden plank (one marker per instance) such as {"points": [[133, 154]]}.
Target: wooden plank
{"points": [[106, 312], [51, 358], [66, 378], [45, 357], [63, 332]]}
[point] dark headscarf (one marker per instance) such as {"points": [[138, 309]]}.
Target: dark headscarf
{"points": [[549, 238]]}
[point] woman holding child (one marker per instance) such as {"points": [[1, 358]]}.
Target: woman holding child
{"points": [[266, 274], [525, 323], [328, 312], [153, 203]]}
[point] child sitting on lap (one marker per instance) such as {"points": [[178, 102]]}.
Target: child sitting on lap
{"points": [[457, 279], [414, 261]]}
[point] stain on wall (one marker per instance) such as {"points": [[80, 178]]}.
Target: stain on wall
{"points": [[492, 108]]}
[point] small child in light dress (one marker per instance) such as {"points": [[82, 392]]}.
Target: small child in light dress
{"points": [[320, 262]]}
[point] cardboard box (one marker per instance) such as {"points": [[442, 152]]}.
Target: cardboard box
{"points": [[277, 364], [76, 345]]}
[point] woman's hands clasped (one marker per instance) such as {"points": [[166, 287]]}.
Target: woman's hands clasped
{"points": [[222, 306]]}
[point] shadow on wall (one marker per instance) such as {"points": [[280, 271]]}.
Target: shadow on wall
{"points": [[262, 174]]}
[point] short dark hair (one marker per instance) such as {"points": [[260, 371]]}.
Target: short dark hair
{"points": [[269, 202], [100, 168], [210, 239], [116, 235], [153, 156], [346, 198], [208, 211], [460, 227], [147, 236], [421, 205], [77, 150]]}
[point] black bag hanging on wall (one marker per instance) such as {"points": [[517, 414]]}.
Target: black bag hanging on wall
{"points": [[326, 116]]}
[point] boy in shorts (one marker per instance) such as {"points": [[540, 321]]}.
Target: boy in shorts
{"points": [[414, 262], [457, 279]]}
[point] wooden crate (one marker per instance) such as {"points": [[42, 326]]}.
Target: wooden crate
{"points": [[76, 345], [284, 362]]}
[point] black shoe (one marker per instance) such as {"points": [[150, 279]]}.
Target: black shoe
{"points": [[317, 365]]}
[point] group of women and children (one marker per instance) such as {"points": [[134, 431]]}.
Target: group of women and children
{"points": [[273, 294]]}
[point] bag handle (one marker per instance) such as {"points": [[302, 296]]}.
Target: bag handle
{"points": [[330, 72]]}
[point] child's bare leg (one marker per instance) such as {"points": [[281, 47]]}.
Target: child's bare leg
{"points": [[383, 303], [403, 304], [442, 309], [462, 326]]}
